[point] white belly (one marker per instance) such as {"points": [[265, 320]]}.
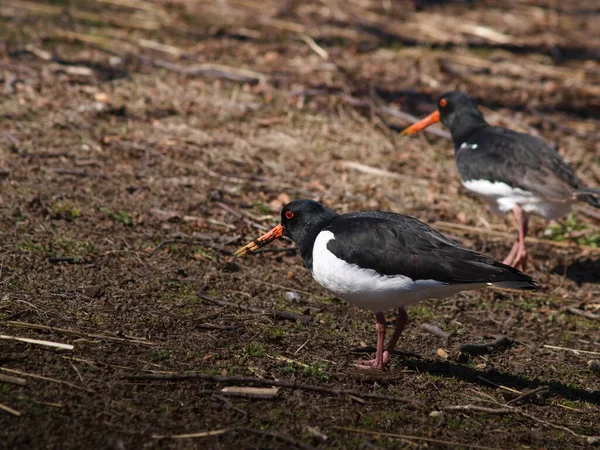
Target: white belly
{"points": [[365, 288], [503, 198]]}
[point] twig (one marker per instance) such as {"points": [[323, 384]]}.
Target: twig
{"points": [[583, 313], [574, 350], [230, 405], [486, 348], [265, 382], [527, 394], [36, 326], [415, 438], [314, 46], [192, 435], [38, 342], [251, 392], [499, 386], [9, 410], [479, 409], [40, 377], [13, 380], [434, 329], [270, 312]]}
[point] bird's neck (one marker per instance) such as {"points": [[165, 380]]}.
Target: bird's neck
{"points": [[309, 235], [467, 125]]}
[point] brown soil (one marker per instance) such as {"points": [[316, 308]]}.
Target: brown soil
{"points": [[112, 146]]}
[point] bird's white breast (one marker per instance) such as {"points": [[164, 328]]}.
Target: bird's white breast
{"points": [[503, 198], [368, 289]]}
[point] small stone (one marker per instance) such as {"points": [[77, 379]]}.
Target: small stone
{"points": [[442, 353], [293, 297], [435, 413], [594, 365]]}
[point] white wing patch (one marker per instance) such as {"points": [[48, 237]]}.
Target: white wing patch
{"points": [[368, 289]]}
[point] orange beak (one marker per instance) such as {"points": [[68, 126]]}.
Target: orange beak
{"points": [[422, 124], [269, 236]]}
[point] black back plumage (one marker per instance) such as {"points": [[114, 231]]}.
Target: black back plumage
{"points": [[395, 244]]}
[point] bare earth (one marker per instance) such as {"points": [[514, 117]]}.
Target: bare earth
{"points": [[143, 142]]}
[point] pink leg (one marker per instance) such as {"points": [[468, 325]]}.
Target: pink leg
{"points": [[401, 322], [509, 260], [376, 363], [518, 254], [382, 358], [523, 223]]}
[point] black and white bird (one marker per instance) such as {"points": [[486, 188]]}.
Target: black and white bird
{"points": [[381, 260], [511, 171]]}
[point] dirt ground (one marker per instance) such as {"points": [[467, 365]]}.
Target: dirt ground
{"points": [[143, 142]]}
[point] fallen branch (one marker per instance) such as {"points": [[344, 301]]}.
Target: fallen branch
{"points": [[434, 329], [264, 382], [269, 312], [583, 313], [500, 342], [35, 326]]}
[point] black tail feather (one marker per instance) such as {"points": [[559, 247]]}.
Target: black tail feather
{"points": [[589, 195]]}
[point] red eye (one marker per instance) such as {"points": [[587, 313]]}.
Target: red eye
{"points": [[289, 214], [443, 102]]}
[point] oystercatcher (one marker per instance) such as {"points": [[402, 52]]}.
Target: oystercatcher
{"points": [[380, 260], [510, 170]]}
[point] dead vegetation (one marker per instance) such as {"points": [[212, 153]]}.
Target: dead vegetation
{"points": [[144, 141]]}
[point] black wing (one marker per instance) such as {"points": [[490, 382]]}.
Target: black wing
{"points": [[519, 160], [394, 244]]}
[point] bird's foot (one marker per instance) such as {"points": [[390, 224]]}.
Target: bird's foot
{"points": [[520, 261], [377, 363]]}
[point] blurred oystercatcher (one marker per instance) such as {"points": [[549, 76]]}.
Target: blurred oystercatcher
{"points": [[510, 170], [381, 260]]}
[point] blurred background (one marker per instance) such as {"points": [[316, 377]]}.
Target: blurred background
{"points": [[142, 142]]}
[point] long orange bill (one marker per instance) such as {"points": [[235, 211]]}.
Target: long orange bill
{"points": [[432, 118], [269, 236]]}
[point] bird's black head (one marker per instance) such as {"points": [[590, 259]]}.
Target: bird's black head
{"points": [[457, 106], [458, 112], [303, 219]]}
